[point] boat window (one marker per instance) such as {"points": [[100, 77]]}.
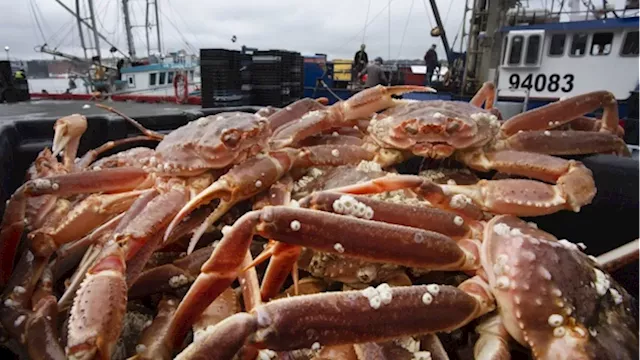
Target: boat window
{"points": [[170, 79], [131, 81], [152, 79], [533, 50], [579, 44], [163, 77], [504, 50], [601, 43], [516, 50], [556, 48], [630, 44]]}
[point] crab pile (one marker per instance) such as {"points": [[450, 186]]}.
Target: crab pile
{"points": [[155, 253]]}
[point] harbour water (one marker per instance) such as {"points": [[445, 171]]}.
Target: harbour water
{"points": [[54, 86]]}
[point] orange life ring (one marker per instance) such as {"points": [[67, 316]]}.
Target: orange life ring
{"points": [[181, 88]]}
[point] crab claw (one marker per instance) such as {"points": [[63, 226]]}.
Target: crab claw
{"points": [[342, 114], [68, 131]]}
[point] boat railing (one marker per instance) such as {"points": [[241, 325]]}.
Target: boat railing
{"points": [[521, 15]]}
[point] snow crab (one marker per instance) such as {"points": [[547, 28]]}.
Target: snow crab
{"points": [[153, 188], [524, 145], [549, 296]]}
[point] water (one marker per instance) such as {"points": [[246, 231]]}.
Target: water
{"points": [[54, 85]]}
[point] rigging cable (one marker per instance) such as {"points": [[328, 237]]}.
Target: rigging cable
{"points": [[426, 10], [184, 40], [35, 16], [404, 32], [364, 29], [185, 23], [389, 32], [369, 23]]}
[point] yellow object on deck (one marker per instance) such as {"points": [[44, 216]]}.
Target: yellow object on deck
{"points": [[342, 70]]}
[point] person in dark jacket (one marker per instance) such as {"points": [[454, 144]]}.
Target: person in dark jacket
{"points": [[360, 61], [375, 74], [431, 61]]}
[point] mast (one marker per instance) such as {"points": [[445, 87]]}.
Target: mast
{"points": [[157, 25], [96, 39], [149, 24], [128, 27], [84, 47], [89, 26]]}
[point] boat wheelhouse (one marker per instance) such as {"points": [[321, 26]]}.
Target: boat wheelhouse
{"points": [[548, 61], [158, 78]]}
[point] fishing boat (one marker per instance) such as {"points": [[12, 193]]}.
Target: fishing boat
{"points": [[535, 56], [157, 77]]}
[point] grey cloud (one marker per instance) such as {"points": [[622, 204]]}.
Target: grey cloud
{"points": [[333, 27]]}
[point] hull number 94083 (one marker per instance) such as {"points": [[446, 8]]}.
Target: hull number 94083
{"points": [[542, 82]]}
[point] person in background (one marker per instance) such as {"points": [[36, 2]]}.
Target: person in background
{"points": [[19, 74], [72, 84], [431, 61], [360, 61], [375, 74]]}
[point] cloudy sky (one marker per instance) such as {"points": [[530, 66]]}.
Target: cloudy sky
{"points": [[334, 27]]}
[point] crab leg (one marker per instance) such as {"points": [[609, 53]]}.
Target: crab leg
{"points": [[150, 133], [152, 341], [585, 123], [564, 111], [258, 174], [421, 217], [111, 180], [429, 190], [294, 111], [359, 238], [342, 114], [92, 332], [574, 185], [570, 142], [159, 279], [486, 95], [620, 256], [348, 317], [493, 343], [283, 256], [91, 155]]}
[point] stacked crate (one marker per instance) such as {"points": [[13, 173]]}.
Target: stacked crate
{"points": [[276, 77], [221, 78]]}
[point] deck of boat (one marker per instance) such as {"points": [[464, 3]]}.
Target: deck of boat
{"points": [[46, 109]]}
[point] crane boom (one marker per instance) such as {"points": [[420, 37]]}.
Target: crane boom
{"points": [[443, 34]]}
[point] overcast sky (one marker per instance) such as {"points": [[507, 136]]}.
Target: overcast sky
{"points": [[334, 27]]}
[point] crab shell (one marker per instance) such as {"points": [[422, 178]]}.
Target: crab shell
{"points": [[212, 142], [433, 128], [553, 298]]}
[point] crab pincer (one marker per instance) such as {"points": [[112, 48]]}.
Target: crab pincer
{"points": [[257, 174]]}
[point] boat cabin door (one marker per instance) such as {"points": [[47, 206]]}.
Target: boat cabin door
{"points": [[520, 66]]}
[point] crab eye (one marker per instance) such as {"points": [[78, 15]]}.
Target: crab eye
{"points": [[453, 126], [411, 130], [230, 138]]}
